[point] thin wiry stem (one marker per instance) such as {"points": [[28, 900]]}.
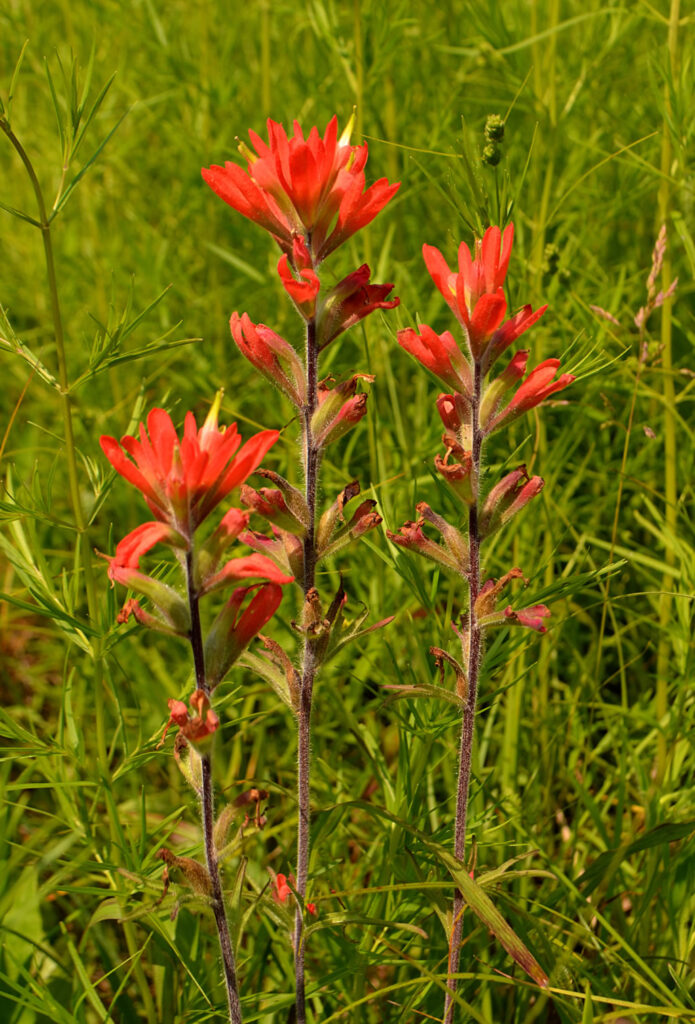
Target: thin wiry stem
{"points": [[664, 659], [475, 645], [63, 379], [208, 812]]}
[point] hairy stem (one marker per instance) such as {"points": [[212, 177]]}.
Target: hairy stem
{"points": [[311, 466], [208, 812], [468, 724]]}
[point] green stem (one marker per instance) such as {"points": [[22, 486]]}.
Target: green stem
{"points": [[63, 380], [79, 520], [265, 57]]}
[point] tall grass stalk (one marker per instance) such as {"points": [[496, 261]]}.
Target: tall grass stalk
{"points": [[664, 649]]}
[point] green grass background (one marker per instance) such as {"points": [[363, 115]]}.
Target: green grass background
{"points": [[583, 802]]}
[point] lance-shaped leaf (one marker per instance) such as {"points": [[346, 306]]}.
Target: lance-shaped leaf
{"points": [[473, 894], [483, 907]]}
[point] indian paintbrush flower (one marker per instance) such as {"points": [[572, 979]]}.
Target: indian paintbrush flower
{"points": [[314, 187], [309, 192], [183, 480], [475, 295], [440, 354], [473, 410]]}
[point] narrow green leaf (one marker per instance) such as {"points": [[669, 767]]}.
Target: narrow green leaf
{"points": [[237, 263], [481, 905], [19, 213], [62, 200], [56, 106], [15, 76]]}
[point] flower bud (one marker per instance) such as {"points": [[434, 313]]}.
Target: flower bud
{"points": [[439, 354], [411, 537], [455, 412], [334, 514], [271, 355], [453, 539], [350, 301], [508, 497], [460, 475], [538, 386], [294, 499], [362, 520], [497, 389], [271, 504], [486, 600], [335, 415], [233, 630]]}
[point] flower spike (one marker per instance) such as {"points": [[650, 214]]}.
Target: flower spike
{"points": [[313, 186], [183, 480]]}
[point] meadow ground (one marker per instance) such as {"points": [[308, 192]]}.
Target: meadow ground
{"points": [[583, 796]]}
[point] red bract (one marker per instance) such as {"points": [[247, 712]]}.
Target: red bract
{"points": [[304, 291], [350, 301], [439, 354], [282, 893], [244, 568], [531, 617], [234, 629], [137, 543], [508, 497], [203, 724], [538, 386], [475, 295], [182, 481], [314, 187], [271, 355]]}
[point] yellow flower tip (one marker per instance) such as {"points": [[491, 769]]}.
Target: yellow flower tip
{"points": [[247, 153], [210, 424], [344, 139]]}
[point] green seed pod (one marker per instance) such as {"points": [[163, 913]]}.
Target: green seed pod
{"points": [[491, 155], [494, 128]]}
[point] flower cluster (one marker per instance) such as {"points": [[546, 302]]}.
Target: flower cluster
{"points": [[476, 407], [313, 187], [310, 194], [183, 480]]}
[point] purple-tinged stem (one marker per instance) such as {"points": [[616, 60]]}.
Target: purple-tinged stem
{"points": [[311, 467], [468, 723], [208, 812]]}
